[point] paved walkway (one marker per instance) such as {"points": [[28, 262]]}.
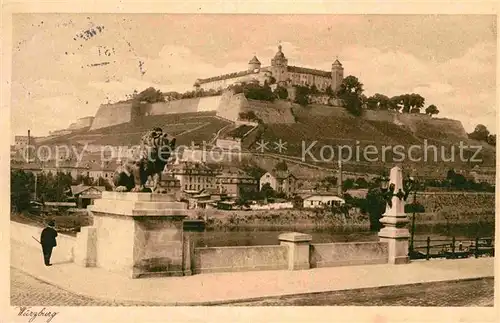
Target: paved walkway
{"points": [[216, 288]]}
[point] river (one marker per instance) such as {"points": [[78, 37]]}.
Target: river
{"points": [[256, 236]]}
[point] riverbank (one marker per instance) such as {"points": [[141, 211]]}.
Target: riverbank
{"points": [[318, 219]]}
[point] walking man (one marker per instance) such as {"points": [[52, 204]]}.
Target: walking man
{"points": [[48, 241]]}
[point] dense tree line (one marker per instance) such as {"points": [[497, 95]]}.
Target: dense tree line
{"points": [[481, 133], [49, 187]]}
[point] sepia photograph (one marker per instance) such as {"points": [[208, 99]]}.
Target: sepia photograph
{"points": [[250, 160]]}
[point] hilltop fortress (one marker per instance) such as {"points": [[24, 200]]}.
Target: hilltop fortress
{"points": [[230, 106], [280, 72]]}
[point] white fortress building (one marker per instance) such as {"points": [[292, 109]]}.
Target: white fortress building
{"points": [[279, 70]]}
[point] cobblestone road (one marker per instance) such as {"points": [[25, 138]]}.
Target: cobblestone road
{"points": [[477, 292], [26, 290], [29, 291]]}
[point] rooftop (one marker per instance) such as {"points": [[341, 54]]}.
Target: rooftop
{"points": [[306, 70]]}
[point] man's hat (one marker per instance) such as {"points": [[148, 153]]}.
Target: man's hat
{"points": [[51, 223]]}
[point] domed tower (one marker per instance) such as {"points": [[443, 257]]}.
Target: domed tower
{"points": [[337, 75], [279, 65], [254, 64]]}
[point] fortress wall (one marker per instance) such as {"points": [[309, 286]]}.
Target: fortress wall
{"points": [[231, 105], [418, 122], [272, 112], [321, 110], [454, 127], [176, 106], [210, 103], [81, 123], [112, 114], [386, 116]]}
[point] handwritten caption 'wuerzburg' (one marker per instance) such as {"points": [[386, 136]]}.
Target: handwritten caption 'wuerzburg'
{"points": [[33, 315]]}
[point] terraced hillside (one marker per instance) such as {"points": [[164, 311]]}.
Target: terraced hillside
{"points": [[186, 127], [313, 127], [357, 133]]}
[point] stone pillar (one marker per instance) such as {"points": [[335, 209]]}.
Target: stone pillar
{"points": [[139, 233], [85, 248], [298, 249], [394, 220]]}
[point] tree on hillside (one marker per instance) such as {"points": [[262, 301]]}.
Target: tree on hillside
{"points": [[371, 103], [314, 89], [361, 182], [350, 92], [352, 103], [348, 184], [480, 133], [281, 166], [383, 102], [350, 84], [416, 102], [302, 95], [409, 103], [396, 103], [267, 191], [254, 171], [492, 140], [254, 91], [281, 93], [431, 110], [150, 95]]}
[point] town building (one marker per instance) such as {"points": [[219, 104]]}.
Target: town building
{"points": [[29, 168], [85, 195], [235, 182], [278, 72], [484, 175], [193, 176], [319, 200], [281, 181], [73, 170]]}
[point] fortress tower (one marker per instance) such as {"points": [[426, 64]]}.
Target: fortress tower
{"points": [[337, 75], [254, 64], [279, 66], [279, 69]]}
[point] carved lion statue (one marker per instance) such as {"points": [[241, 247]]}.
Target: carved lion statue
{"points": [[156, 149]]}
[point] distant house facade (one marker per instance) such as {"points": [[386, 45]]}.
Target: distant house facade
{"points": [[322, 200], [85, 195], [235, 182], [280, 181], [193, 176], [484, 175]]}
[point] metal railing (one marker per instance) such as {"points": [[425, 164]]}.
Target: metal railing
{"points": [[452, 249]]}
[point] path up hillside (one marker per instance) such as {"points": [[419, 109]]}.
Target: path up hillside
{"points": [[188, 128]]}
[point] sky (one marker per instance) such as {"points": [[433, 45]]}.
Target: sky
{"points": [[60, 73]]}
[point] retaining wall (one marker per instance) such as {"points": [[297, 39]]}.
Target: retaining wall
{"points": [[225, 259], [345, 254]]}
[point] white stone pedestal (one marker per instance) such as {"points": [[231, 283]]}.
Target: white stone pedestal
{"points": [[139, 233], [394, 220], [298, 249]]}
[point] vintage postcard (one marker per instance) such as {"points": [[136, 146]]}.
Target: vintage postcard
{"points": [[264, 161]]}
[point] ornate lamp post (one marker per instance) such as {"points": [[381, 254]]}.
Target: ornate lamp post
{"points": [[394, 219], [415, 186]]}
